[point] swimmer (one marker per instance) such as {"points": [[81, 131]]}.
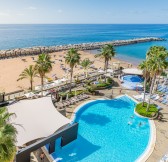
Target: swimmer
{"points": [[140, 124], [132, 116], [129, 123]]}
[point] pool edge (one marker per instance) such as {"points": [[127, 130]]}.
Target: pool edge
{"points": [[152, 141]]}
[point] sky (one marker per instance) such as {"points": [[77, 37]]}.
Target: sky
{"points": [[83, 11]]}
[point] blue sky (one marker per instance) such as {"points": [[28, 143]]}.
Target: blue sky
{"points": [[83, 11]]}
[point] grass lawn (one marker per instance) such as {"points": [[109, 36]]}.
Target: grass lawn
{"points": [[141, 110]]}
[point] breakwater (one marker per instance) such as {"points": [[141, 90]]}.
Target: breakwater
{"points": [[84, 46]]}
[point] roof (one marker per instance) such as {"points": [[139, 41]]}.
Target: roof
{"points": [[133, 71], [35, 119]]}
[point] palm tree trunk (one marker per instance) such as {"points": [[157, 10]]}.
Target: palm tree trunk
{"points": [[86, 73], [31, 85], [42, 84], [150, 93], [144, 90], [157, 83], [104, 64], [71, 80]]}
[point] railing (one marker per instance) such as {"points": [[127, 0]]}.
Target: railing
{"points": [[18, 95]]}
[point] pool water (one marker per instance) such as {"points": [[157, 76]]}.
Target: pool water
{"points": [[108, 132], [132, 82], [132, 78]]}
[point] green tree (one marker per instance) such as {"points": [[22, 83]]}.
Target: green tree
{"points": [[72, 58], [7, 137], [107, 53], [43, 66], [144, 66], [157, 60], [86, 64], [29, 73]]}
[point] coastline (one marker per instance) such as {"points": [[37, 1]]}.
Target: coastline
{"points": [[12, 67]]}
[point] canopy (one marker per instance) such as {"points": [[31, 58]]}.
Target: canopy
{"points": [[132, 71], [35, 119]]}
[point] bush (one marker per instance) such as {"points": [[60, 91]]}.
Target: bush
{"points": [[64, 94], [141, 110], [109, 80], [103, 85]]}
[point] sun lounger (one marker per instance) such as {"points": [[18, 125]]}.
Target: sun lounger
{"points": [[156, 98]]}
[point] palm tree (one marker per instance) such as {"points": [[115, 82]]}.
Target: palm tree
{"points": [[157, 63], [107, 52], [144, 66], [43, 66], [29, 73], [7, 137], [72, 58], [86, 64]]}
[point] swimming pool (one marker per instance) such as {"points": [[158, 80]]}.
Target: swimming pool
{"points": [[109, 131], [132, 82]]}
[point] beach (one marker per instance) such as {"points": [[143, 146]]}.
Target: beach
{"points": [[11, 68]]}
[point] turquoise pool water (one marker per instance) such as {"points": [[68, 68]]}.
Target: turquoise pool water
{"points": [[132, 81], [132, 78], [108, 132]]}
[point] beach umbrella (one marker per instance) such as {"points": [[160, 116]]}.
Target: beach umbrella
{"points": [[67, 96], [110, 71], [101, 71], [61, 99], [63, 79]]}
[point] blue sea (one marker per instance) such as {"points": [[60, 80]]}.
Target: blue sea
{"points": [[19, 36]]}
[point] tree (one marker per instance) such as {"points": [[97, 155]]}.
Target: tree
{"points": [[86, 64], [157, 60], [107, 53], [144, 66], [29, 73], [43, 66], [72, 58], [7, 137]]}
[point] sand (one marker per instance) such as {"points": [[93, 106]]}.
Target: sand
{"points": [[11, 68]]}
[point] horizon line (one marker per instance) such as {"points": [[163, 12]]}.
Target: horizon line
{"points": [[83, 23]]}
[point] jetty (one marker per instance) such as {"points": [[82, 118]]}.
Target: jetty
{"points": [[12, 53]]}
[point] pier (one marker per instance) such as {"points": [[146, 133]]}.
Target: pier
{"points": [[12, 53]]}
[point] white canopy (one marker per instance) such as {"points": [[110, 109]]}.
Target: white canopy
{"points": [[35, 119], [132, 71]]}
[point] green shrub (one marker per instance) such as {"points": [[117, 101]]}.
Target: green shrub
{"points": [[64, 94], [109, 80], [140, 109]]}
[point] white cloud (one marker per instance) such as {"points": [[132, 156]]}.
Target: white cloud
{"points": [[20, 14], [60, 11], [4, 14], [32, 8]]}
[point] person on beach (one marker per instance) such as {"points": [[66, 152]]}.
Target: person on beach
{"points": [[42, 156], [120, 91]]}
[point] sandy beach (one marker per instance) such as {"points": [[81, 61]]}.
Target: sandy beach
{"points": [[11, 68]]}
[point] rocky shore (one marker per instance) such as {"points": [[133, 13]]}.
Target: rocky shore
{"points": [[84, 46]]}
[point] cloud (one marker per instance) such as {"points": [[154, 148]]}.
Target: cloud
{"points": [[20, 14], [4, 14], [32, 8], [60, 11]]}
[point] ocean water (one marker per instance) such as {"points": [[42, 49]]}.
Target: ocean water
{"points": [[104, 134], [19, 36]]}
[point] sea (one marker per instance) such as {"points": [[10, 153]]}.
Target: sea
{"points": [[29, 35]]}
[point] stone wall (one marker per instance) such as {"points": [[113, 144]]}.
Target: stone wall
{"points": [[84, 46]]}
